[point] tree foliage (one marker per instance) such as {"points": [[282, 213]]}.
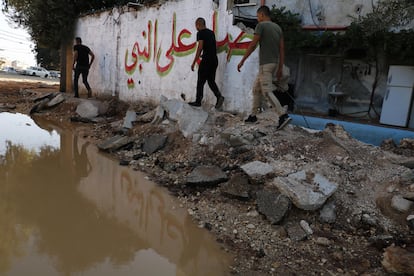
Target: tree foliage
{"points": [[51, 22], [387, 14]]}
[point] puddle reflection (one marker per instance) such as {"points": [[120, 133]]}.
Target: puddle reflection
{"points": [[22, 130], [74, 211]]}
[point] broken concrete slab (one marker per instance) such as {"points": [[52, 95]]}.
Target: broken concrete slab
{"points": [[57, 99], [296, 233], [328, 213], [153, 143], [39, 105], [115, 143], [206, 175], [307, 190], [237, 187], [237, 137], [146, 117], [401, 204], [189, 119], [129, 118], [47, 101], [45, 96], [87, 109], [91, 108], [172, 107], [273, 205], [159, 115], [257, 169]]}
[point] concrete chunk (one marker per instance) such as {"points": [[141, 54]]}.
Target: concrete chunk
{"points": [[115, 143], [129, 118], [257, 168], [308, 191], [401, 204], [154, 143], [206, 175], [273, 205]]}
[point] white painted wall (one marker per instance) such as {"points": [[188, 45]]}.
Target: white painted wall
{"points": [[111, 36]]}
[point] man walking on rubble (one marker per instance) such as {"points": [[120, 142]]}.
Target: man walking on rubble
{"points": [[81, 65], [271, 59], [207, 50]]}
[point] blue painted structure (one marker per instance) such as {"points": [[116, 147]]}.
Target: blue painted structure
{"points": [[366, 133]]}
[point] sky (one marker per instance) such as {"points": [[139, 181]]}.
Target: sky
{"points": [[15, 43]]}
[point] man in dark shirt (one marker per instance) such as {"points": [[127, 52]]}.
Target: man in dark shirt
{"points": [[207, 50], [81, 65]]}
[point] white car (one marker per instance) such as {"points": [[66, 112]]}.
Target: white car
{"points": [[36, 71], [9, 70], [54, 74]]}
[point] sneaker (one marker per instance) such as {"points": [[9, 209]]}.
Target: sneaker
{"points": [[283, 121], [219, 103], [251, 119], [194, 104]]}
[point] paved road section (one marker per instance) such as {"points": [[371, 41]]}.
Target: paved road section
{"points": [[23, 78]]}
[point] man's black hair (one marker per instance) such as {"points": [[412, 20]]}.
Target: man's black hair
{"points": [[201, 20], [265, 10]]}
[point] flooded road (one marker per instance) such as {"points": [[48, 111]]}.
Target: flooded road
{"points": [[67, 209]]}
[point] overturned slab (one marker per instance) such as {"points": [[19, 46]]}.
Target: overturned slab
{"points": [[40, 105], [273, 205], [57, 99], [206, 175], [91, 109], [153, 143], [115, 143], [307, 190], [189, 119], [257, 169], [237, 187], [129, 119]]}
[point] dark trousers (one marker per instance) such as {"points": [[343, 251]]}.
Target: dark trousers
{"points": [[207, 73], [84, 71]]}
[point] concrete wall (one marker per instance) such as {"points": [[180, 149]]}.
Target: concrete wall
{"points": [[314, 12], [144, 53]]}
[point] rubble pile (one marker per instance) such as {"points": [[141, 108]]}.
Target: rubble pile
{"points": [[295, 201]]}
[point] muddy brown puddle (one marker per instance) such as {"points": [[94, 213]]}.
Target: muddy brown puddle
{"points": [[67, 209]]}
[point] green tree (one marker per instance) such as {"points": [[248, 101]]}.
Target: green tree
{"points": [[50, 23]]}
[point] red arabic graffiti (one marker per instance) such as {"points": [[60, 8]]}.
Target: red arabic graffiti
{"points": [[165, 62]]}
